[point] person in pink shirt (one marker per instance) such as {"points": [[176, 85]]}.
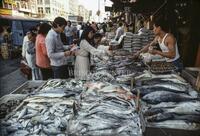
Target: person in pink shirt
{"points": [[42, 60]]}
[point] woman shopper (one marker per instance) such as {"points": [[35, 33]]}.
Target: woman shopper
{"points": [[82, 64], [42, 60]]}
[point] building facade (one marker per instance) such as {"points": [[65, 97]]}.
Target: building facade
{"points": [[45, 9]]}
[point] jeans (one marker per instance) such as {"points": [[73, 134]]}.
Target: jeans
{"points": [[69, 40], [46, 73], [60, 72]]}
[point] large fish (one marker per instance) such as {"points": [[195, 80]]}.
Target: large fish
{"points": [[148, 89], [167, 116], [191, 107], [161, 80], [165, 96], [177, 124]]}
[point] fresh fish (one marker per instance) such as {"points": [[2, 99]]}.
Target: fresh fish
{"points": [[51, 131], [148, 75], [168, 116], [21, 133], [191, 107], [160, 117], [164, 96], [161, 80], [173, 86], [148, 89], [188, 118], [177, 124], [22, 113]]}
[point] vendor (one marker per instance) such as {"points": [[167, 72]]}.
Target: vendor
{"points": [[167, 43]]}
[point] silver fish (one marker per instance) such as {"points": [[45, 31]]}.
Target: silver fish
{"points": [[164, 96], [177, 124]]}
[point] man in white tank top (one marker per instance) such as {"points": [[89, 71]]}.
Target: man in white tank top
{"points": [[167, 43]]}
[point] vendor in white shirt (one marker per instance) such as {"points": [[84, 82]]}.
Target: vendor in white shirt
{"points": [[167, 43]]}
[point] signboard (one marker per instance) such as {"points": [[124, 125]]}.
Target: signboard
{"points": [[5, 11], [9, 1]]}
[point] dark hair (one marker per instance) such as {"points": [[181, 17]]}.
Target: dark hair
{"points": [[120, 24], [98, 35], [44, 28], [63, 38], [59, 21], [33, 31], [9, 29], [85, 33], [1, 29], [69, 22], [162, 23]]}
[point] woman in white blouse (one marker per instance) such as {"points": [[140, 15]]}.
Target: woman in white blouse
{"points": [[82, 63]]}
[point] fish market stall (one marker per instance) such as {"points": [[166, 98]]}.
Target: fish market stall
{"points": [[169, 105], [122, 96], [9, 102], [105, 109], [71, 107]]}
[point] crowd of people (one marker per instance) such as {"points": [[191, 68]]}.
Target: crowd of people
{"points": [[49, 49]]}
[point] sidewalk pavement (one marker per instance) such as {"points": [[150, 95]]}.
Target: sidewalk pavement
{"points": [[10, 76]]}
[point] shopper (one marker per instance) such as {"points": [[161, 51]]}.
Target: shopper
{"points": [[56, 51], [70, 32], [167, 43], [30, 53], [119, 31], [42, 60], [82, 64]]}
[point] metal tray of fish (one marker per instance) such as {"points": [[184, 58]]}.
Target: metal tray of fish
{"points": [[38, 116], [150, 129], [29, 87], [9, 102], [159, 131]]}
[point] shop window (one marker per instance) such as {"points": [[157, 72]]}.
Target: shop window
{"points": [[47, 10], [39, 2], [40, 10], [47, 1]]}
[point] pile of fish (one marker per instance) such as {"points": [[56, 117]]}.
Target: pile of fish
{"points": [[102, 109], [165, 100], [136, 43], [9, 102], [102, 76], [146, 36], [41, 116], [74, 85], [128, 41], [46, 112], [121, 70], [105, 110]]}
